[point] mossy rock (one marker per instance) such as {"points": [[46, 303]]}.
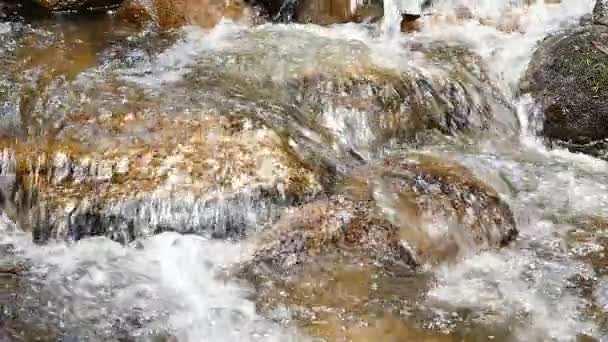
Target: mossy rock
{"points": [[568, 75]]}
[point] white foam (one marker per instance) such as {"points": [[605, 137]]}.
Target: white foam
{"points": [[531, 120], [508, 53], [171, 280], [504, 287], [171, 65], [5, 28]]}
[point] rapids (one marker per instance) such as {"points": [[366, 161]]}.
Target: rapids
{"points": [[551, 284]]}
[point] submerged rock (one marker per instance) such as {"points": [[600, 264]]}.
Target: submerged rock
{"points": [[352, 259], [336, 108], [415, 209], [568, 75]]}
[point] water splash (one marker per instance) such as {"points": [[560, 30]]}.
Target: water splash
{"points": [[509, 287], [167, 285], [391, 22], [173, 64]]}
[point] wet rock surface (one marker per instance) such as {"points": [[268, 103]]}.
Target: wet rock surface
{"points": [[199, 175], [568, 74], [347, 266], [169, 14], [320, 12], [337, 11], [126, 163], [414, 210], [600, 12]]}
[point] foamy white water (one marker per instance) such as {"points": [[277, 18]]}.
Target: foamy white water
{"points": [[173, 64], [170, 283], [5, 28]]}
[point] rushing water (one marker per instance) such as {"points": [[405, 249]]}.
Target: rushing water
{"points": [[551, 284]]}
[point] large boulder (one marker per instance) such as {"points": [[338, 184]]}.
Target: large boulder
{"points": [[568, 75], [241, 135], [115, 162], [128, 176], [416, 208], [349, 260], [331, 107]]}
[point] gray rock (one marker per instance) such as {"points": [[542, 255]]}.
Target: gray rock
{"points": [[600, 12]]}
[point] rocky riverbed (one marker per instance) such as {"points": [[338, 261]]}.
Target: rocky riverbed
{"points": [[269, 171]]}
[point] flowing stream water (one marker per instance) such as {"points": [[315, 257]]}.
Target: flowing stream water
{"points": [[550, 284]]}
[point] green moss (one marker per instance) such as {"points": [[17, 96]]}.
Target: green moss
{"points": [[592, 69], [581, 56]]}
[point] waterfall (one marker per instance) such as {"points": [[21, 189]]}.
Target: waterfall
{"points": [[391, 24], [393, 9]]}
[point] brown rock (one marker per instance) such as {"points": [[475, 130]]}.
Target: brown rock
{"points": [[350, 260], [171, 14], [337, 11], [208, 172], [416, 208]]}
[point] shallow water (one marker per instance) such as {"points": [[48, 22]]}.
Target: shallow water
{"points": [[551, 284]]}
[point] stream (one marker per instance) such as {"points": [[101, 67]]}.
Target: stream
{"points": [[109, 88]]}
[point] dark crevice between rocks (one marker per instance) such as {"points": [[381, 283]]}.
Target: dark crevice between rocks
{"points": [[30, 10], [596, 148], [277, 10], [11, 10]]}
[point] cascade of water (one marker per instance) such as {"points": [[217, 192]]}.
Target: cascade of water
{"points": [[173, 278], [393, 11], [392, 17]]}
